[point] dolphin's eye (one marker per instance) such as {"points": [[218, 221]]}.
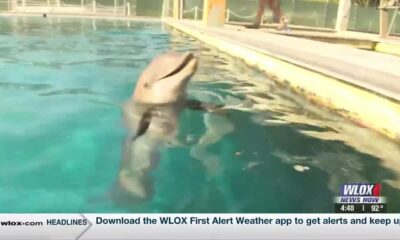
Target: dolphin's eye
{"points": [[146, 85]]}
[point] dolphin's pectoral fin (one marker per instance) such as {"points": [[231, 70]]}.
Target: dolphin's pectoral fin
{"points": [[143, 125], [198, 105]]}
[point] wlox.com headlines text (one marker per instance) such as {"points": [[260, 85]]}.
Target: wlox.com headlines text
{"points": [[48, 222], [20, 223]]}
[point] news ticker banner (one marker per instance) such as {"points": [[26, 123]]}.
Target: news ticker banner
{"points": [[199, 226]]}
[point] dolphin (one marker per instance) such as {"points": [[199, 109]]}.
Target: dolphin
{"points": [[151, 116]]}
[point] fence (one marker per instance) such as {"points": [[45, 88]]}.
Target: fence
{"points": [[86, 7], [310, 13], [366, 19], [4, 6], [147, 8]]}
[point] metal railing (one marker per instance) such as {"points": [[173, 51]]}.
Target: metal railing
{"points": [[300, 12], [196, 10], [314, 20], [86, 7]]}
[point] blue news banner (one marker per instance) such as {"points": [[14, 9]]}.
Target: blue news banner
{"points": [[199, 226]]}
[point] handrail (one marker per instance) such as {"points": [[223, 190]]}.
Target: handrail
{"points": [[104, 6], [57, 5], [229, 13], [190, 10], [241, 16]]}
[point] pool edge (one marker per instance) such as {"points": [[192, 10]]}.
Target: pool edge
{"points": [[63, 15], [363, 107], [388, 48]]}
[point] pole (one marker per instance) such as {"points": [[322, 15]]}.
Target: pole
{"points": [[165, 9], [128, 9], [293, 7], [393, 22], [181, 9], [342, 19], [383, 19], [325, 12], [196, 9], [175, 13]]}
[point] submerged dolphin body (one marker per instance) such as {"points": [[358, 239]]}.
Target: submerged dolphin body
{"points": [[151, 117]]}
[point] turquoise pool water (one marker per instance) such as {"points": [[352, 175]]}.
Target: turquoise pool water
{"points": [[62, 84]]}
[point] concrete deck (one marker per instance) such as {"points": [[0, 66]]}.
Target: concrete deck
{"points": [[370, 41], [363, 86], [373, 71], [296, 30]]}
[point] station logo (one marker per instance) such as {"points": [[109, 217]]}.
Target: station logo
{"points": [[360, 193]]}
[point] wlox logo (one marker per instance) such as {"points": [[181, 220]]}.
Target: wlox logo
{"points": [[360, 189], [175, 220]]}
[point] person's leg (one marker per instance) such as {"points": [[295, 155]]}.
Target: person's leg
{"points": [[275, 7], [260, 13]]}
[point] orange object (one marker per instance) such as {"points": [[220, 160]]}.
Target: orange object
{"points": [[214, 13]]}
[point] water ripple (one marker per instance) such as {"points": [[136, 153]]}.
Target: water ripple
{"points": [[71, 91], [24, 86]]}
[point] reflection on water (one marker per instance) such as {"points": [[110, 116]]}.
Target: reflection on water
{"points": [[24, 86], [307, 138], [75, 91], [63, 83]]}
